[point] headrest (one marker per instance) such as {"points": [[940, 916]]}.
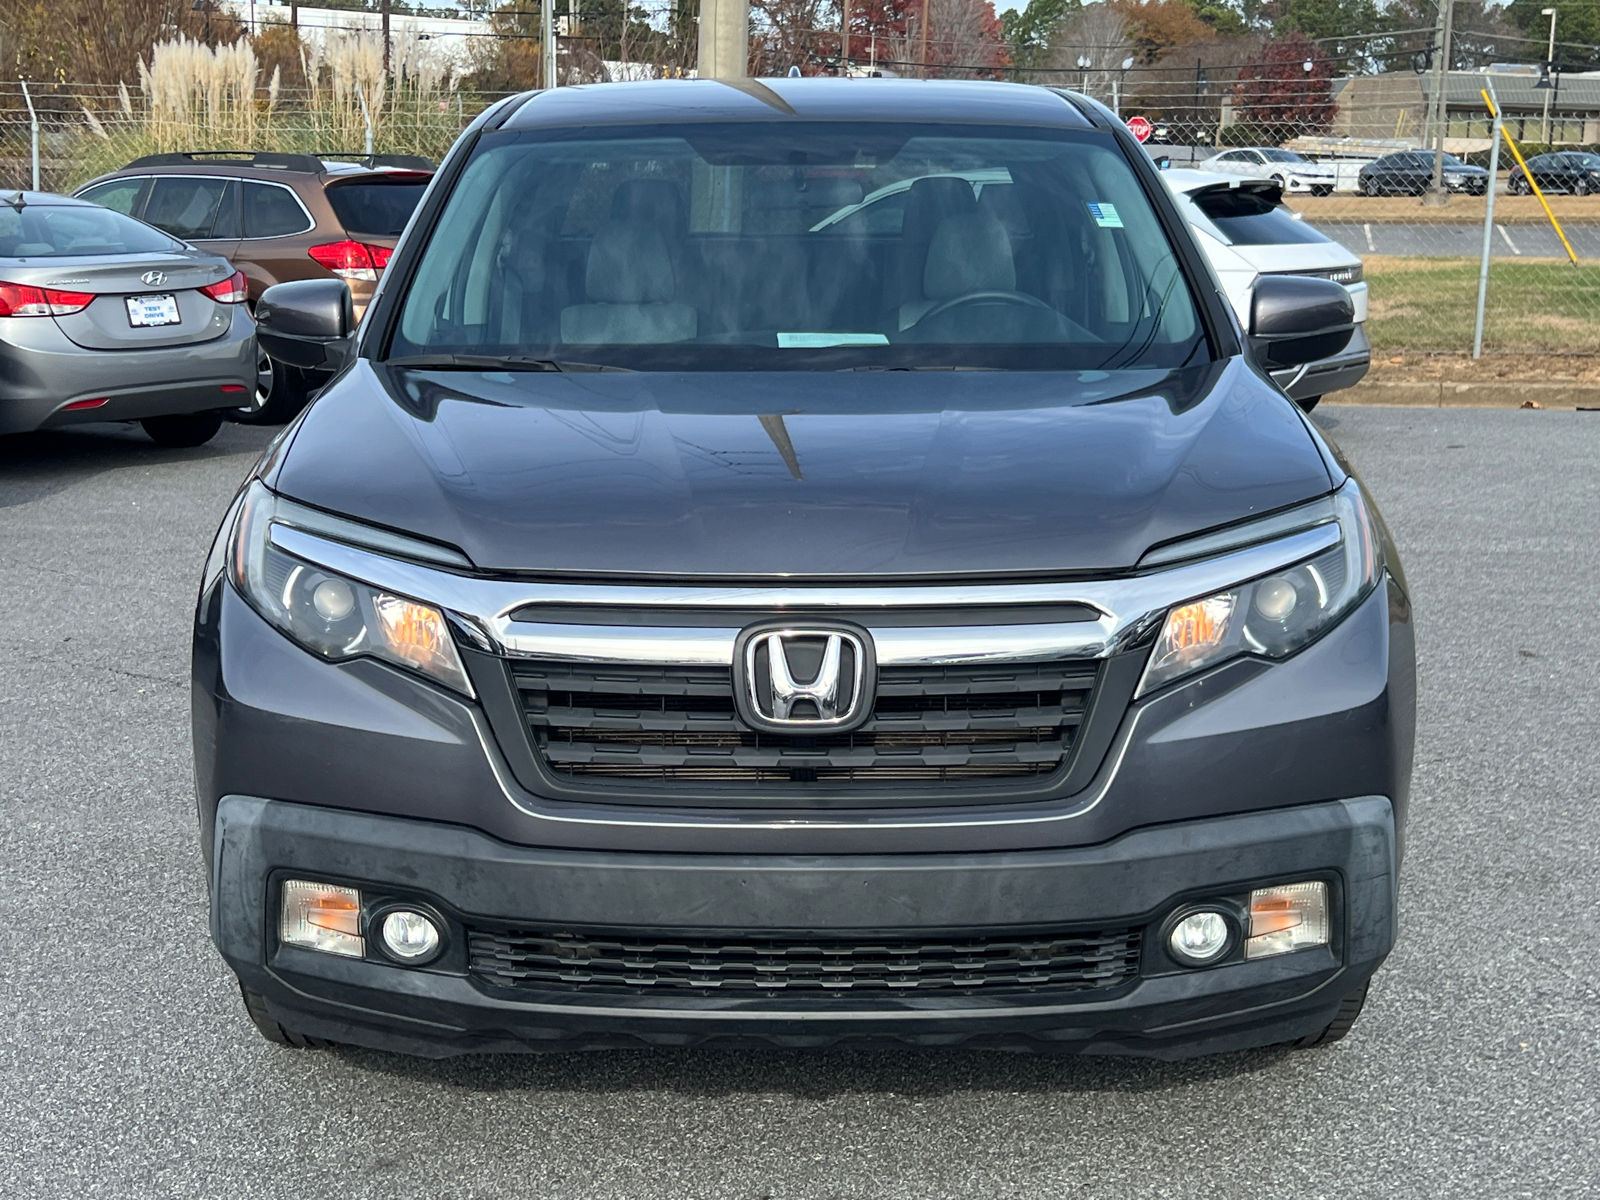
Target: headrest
{"points": [[654, 202], [932, 200], [628, 264], [969, 253]]}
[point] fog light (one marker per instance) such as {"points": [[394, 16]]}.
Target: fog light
{"points": [[1199, 938], [410, 936], [319, 916], [1293, 916]]}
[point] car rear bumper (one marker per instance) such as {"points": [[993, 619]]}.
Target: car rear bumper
{"points": [[42, 373], [477, 882]]}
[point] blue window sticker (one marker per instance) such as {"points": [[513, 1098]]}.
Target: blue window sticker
{"points": [[1105, 215]]}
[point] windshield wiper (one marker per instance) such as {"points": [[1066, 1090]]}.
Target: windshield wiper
{"points": [[493, 362]]}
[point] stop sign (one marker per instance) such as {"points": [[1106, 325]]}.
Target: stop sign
{"points": [[1140, 128]]}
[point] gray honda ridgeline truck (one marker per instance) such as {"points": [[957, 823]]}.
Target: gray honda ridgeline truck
{"points": [[710, 603]]}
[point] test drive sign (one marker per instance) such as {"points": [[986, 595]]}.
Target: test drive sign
{"points": [[1140, 128]]}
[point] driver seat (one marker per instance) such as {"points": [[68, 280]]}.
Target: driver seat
{"points": [[970, 252]]}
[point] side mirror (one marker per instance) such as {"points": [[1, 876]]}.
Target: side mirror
{"points": [[1297, 319], [1163, 162], [307, 323]]}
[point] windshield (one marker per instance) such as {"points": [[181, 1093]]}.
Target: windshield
{"points": [[68, 231], [1282, 156], [801, 246]]}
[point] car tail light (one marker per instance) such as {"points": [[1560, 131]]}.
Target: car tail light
{"points": [[352, 260], [25, 300], [232, 290]]}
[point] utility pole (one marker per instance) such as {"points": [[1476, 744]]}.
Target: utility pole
{"points": [[925, 14], [385, 39], [724, 39], [844, 37], [1549, 68], [547, 41], [1437, 196]]}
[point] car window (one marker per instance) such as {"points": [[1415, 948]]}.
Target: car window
{"points": [[1287, 156], [1250, 156], [272, 211], [65, 231], [1249, 219], [120, 195], [376, 206], [703, 247], [185, 205]]}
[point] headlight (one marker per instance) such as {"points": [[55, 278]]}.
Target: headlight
{"points": [[1276, 615], [330, 615]]}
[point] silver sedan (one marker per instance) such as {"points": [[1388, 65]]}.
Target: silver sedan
{"points": [[104, 318]]}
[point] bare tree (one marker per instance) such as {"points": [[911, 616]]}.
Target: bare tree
{"points": [[1095, 40]]}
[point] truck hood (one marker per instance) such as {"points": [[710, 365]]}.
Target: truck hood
{"points": [[849, 474]]}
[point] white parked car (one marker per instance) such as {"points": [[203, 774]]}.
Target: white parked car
{"points": [[1289, 170], [1246, 232]]}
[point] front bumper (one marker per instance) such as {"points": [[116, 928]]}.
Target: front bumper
{"points": [[42, 371], [1335, 373], [1133, 880]]}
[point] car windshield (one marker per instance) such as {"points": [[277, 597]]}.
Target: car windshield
{"points": [[376, 206], [1282, 156], [1249, 219], [74, 230], [801, 246]]}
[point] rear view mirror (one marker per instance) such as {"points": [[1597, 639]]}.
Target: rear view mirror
{"points": [[1297, 319], [307, 323]]}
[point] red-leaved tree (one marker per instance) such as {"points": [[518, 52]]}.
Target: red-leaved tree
{"points": [[1280, 95]]}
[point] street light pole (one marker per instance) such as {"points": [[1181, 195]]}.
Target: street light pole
{"points": [[547, 41], [1549, 60]]}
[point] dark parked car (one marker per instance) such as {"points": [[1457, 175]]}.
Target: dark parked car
{"points": [[1573, 171], [1410, 173], [276, 217], [679, 621]]}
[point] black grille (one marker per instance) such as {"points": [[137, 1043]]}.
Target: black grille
{"points": [[557, 960], [929, 726]]}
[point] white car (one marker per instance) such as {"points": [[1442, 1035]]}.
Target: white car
{"points": [[1246, 232], [1289, 170]]}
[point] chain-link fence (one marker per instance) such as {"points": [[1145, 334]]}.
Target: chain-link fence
{"points": [[1355, 158]]}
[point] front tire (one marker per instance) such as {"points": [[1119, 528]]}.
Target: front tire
{"points": [[275, 1033], [1322, 189], [1580, 187], [1349, 1009], [1370, 186], [183, 431]]}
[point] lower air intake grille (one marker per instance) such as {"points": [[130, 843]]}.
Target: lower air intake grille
{"points": [[677, 725], [753, 967]]}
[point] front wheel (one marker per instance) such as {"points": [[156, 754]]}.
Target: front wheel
{"points": [[1580, 187], [1349, 1010], [183, 430], [280, 394], [1322, 189], [1370, 186]]}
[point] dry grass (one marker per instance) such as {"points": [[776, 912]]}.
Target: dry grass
{"points": [[1462, 210]]}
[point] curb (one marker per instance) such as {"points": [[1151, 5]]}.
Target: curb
{"points": [[1443, 393]]}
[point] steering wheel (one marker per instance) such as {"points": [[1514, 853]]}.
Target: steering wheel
{"points": [[1021, 299]]}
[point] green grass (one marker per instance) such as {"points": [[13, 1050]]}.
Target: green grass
{"points": [[1537, 307]]}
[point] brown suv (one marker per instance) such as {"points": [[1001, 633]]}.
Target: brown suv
{"points": [[276, 217]]}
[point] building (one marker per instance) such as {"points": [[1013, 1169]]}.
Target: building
{"points": [[1396, 107]]}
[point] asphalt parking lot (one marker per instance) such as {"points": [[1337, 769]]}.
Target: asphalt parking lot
{"points": [[128, 1068]]}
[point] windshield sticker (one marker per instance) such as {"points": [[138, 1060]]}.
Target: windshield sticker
{"points": [[813, 341], [1105, 215]]}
